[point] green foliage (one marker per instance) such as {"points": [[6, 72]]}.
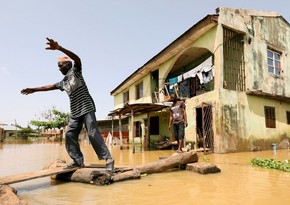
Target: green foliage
{"points": [[205, 159], [25, 132], [272, 164], [53, 118], [45, 124]]}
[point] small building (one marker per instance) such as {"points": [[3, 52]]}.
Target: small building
{"points": [[2, 134], [52, 133], [111, 126], [9, 130], [232, 69]]}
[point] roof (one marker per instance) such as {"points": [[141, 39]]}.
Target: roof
{"points": [[8, 127], [199, 28], [267, 95], [139, 108]]}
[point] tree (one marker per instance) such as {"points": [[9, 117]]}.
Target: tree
{"points": [[24, 133], [53, 119]]}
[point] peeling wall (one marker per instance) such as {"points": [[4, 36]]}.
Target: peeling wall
{"points": [[242, 116], [260, 29], [243, 122], [266, 35]]}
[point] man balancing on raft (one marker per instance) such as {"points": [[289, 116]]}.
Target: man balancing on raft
{"points": [[82, 108]]}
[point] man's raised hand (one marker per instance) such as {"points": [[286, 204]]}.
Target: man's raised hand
{"points": [[52, 45]]}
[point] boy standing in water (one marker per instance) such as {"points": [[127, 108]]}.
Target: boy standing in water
{"points": [[178, 120], [82, 108]]}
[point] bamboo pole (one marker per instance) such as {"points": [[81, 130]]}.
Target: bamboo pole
{"points": [[120, 131], [132, 129], [112, 139]]}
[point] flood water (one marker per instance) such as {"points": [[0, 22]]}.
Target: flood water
{"points": [[238, 183]]}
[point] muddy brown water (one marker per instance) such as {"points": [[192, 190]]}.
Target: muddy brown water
{"points": [[238, 183]]}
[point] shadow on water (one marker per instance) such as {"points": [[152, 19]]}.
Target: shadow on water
{"points": [[238, 182]]}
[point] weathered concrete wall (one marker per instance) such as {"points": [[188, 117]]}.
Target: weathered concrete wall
{"points": [[226, 122], [242, 118], [262, 30], [243, 124], [266, 36]]}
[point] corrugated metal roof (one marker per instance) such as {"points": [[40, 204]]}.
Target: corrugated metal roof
{"points": [[139, 108], [8, 127]]}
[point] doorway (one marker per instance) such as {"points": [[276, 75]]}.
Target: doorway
{"points": [[204, 130]]}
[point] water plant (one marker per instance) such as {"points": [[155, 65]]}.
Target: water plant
{"points": [[205, 159], [282, 165]]}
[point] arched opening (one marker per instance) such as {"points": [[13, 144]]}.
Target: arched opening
{"points": [[192, 74]]}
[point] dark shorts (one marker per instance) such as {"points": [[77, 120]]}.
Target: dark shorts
{"points": [[178, 131]]}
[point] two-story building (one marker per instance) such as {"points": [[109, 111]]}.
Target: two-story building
{"points": [[231, 68]]}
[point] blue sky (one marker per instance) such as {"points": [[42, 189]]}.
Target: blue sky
{"points": [[113, 39]]}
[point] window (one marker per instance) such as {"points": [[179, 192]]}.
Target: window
{"points": [[139, 91], [137, 129], [154, 125], [126, 97], [274, 63], [270, 117], [288, 117], [233, 54]]}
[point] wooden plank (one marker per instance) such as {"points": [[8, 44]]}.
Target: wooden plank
{"points": [[95, 166], [104, 166], [34, 175], [202, 149], [49, 172]]}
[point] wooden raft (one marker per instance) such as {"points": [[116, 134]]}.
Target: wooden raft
{"points": [[33, 175]]}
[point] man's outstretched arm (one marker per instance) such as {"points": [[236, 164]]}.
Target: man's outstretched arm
{"points": [[53, 45], [27, 91]]}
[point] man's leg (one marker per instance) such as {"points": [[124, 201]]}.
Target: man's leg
{"points": [[71, 140], [97, 140], [176, 136], [183, 134], [95, 137], [180, 135]]}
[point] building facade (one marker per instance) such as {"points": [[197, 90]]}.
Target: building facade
{"points": [[232, 70]]}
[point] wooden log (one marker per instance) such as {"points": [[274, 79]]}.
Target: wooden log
{"points": [[101, 177], [203, 168], [168, 163], [105, 178], [81, 175], [8, 195], [98, 175], [131, 174], [163, 145], [94, 174]]}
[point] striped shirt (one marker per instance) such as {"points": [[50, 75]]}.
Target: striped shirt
{"points": [[74, 84]]}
